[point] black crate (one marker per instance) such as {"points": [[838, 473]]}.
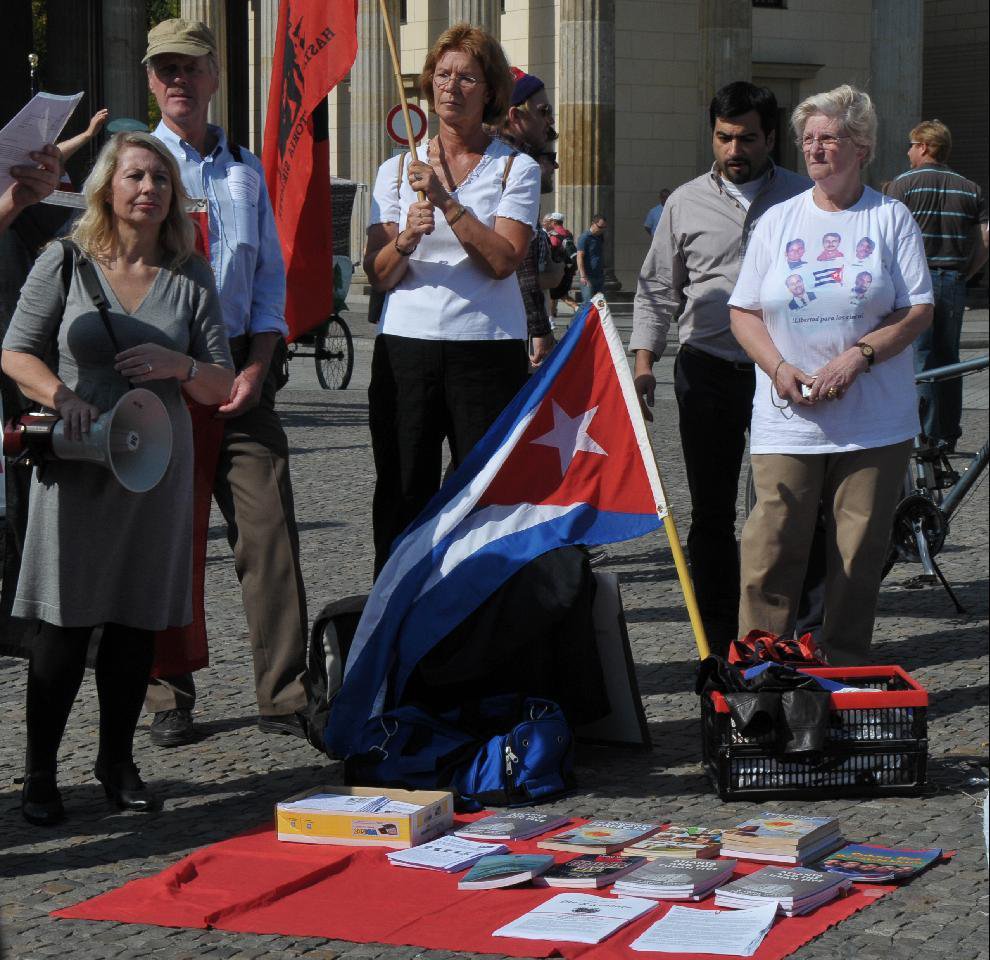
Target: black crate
{"points": [[877, 744]]}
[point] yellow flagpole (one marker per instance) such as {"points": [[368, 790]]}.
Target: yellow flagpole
{"points": [[397, 73], [684, 575]]}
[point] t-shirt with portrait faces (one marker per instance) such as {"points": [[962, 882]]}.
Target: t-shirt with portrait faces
{"points": [[823, 281]]}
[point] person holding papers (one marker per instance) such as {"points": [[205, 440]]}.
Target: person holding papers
{"points": [[31, 183], [446, 236]]}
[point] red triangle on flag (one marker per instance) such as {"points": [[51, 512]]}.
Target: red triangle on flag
{"points": [[580, 446]]}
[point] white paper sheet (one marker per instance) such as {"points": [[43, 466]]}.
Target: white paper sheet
{"points": [[736, 933], [445, 853], [337, 803], [38, 122], [576, 918]]}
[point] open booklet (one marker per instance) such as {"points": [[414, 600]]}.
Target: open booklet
{"points": [[38, 122]]}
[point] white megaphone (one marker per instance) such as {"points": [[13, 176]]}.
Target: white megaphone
{"points": [[133, 441]]}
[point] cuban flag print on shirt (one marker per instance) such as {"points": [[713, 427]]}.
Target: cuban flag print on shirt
{"points": [[567, 462]]}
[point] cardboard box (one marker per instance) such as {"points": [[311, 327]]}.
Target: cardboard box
{"points": [[399, 831]]}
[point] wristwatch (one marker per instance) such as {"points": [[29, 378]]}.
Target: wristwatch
{"points": [[869, 354], [193, 370]]}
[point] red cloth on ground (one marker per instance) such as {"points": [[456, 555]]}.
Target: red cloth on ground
{"points": [[254, 883], [181, 650]]}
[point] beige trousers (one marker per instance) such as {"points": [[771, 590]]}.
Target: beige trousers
{"points": [[859, 491]]}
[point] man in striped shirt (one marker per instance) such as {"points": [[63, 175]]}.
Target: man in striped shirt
{"points": [[952, 214]]}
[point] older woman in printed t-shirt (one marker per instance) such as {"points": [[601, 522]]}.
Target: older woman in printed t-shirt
{"points": [[451, 349], [834, 412]]}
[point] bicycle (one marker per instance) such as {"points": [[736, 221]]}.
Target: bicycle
{"points": [[933, 492]]}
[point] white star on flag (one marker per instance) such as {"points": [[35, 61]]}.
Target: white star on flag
{"points": [[570, 434]]}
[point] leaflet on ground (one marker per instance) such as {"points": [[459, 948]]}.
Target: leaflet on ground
{"points": [[576, 918], [449, 854], [38, 122], [736, 933]]}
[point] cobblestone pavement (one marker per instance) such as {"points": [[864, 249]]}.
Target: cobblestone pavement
{"points": [[230, 779]]}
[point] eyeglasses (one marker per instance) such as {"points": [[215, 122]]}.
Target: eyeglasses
{"points": [[827, 141], [465, 81]]}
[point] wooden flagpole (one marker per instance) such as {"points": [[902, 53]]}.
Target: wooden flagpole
{"points": [[397, 73], [684, 575]]}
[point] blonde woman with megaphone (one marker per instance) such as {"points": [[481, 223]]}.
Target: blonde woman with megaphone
{"points": [[96, 554]]}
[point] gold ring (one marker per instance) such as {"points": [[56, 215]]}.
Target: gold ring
{"points": [[832, 393]]}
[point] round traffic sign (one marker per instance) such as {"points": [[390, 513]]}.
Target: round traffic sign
{"points": [[395, 124]]}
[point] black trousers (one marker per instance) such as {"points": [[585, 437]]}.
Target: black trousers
{"points": [[422, 392], [714, 401]]}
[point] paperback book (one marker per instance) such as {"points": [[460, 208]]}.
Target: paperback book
{"points": [[600, 836], [589, 870], [796, 890], [866, 862], [804, 855], [512, 825], [505, 870], [680, 842], [665, 879], [775, 832]]}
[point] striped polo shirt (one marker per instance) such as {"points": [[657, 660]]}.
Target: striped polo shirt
{"points": [[947, 207]]}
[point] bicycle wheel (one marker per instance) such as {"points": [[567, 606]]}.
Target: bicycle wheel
{"points": [[334, 355]]}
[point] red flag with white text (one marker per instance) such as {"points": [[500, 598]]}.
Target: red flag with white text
{"points": [[315, 46]]}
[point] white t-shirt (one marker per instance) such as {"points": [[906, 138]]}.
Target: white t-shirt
{"points": [[823, 281], [443, 295], [744, 193]]}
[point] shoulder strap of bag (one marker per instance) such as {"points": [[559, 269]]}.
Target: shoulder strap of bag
{"points": [[87, 274], [68, 264], [508, 167]]}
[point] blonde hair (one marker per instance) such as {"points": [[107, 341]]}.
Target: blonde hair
{"points": [[490, 56], [95, 233], [935, 135], [851, 107]]}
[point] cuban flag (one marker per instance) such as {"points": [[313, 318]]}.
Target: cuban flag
{"points": [[828, 275], [567, 462]]}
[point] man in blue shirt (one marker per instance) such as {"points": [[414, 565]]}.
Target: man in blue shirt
{"points": [[252, 485], [591, 258], [653, 217]]}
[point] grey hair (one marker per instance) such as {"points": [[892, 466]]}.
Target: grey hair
{"points": [[851, 107]]}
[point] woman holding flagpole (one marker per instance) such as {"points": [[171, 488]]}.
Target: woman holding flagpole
{"points": [[445, 238]]}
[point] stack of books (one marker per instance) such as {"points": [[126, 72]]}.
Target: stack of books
{"points": [[687, 879], [599, 836], [783, 838], [679, 842], [795, 890]]}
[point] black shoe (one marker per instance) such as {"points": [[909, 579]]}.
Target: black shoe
{"points": [[173, 728], [124, 786], [291, 723], [41, 803]]}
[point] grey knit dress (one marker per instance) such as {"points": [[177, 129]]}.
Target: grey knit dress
{"points": [[94, 552]]}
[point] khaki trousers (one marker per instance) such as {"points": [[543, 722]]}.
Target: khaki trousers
{"points": [[859, 491], [254, 493]]}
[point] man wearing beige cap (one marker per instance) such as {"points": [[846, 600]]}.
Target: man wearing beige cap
{"points": [[252, 486]]}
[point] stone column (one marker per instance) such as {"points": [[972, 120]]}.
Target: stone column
{"points": [[214, 14], [373, 93], [479, 13], [266, 25], [896, 41], [125, 83], [725, 53], [586, 111]]}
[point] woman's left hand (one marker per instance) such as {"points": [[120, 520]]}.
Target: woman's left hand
{"points": [[151, 361], [838, 375], [422, 177]]}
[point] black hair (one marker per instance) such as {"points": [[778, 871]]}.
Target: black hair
{"points": [[739, 97]]}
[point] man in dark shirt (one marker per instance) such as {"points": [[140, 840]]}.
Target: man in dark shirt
{"points": [[952, 214], [591, 258]]}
